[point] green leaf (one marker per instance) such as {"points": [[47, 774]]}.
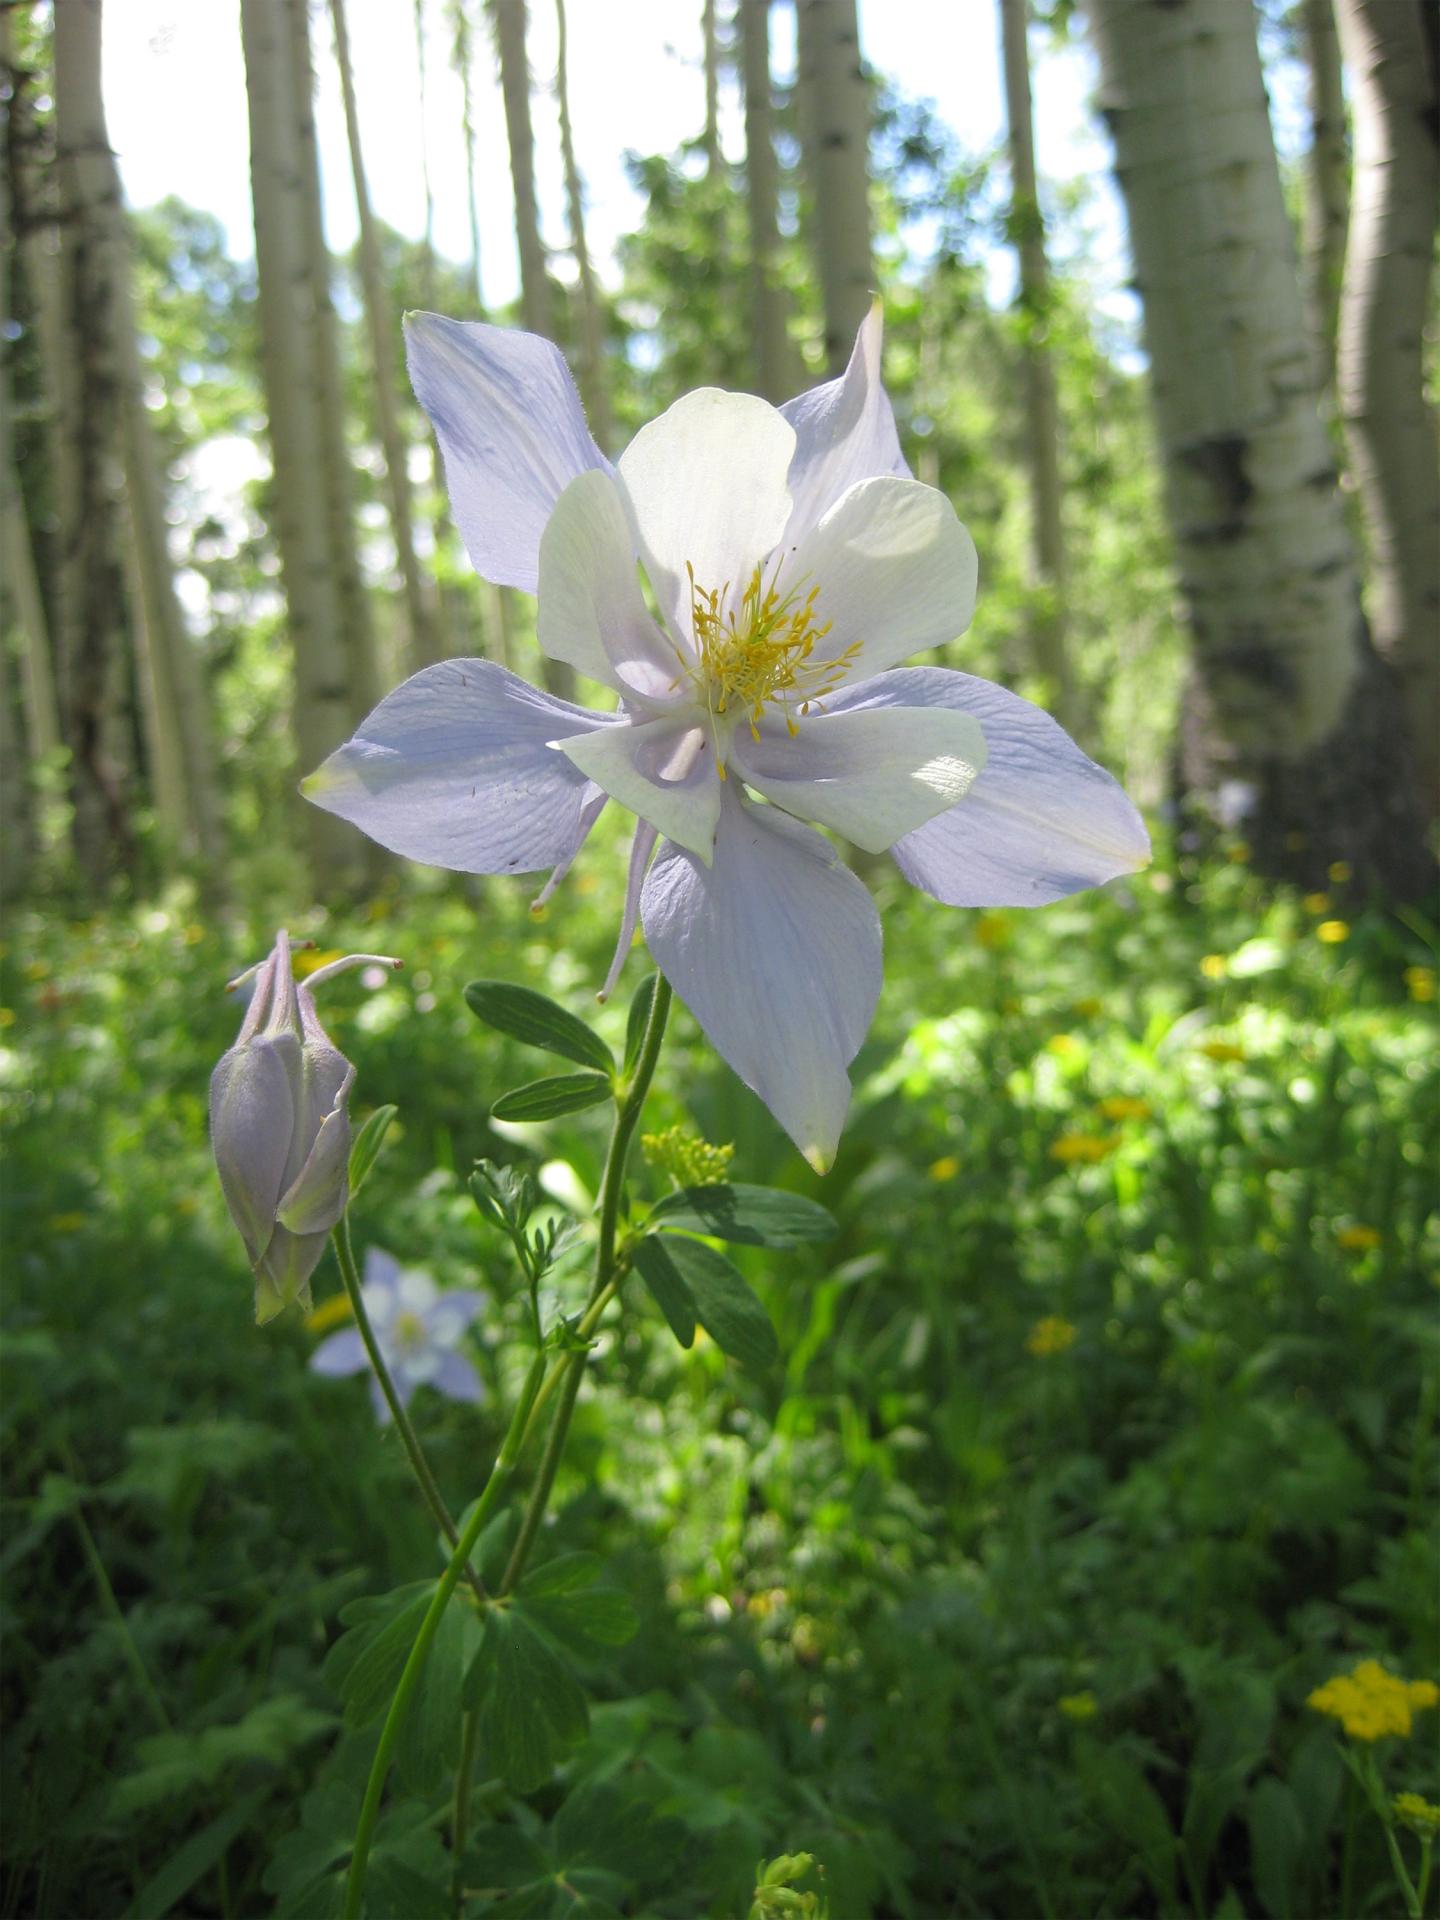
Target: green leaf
{"points": [[538, 1022], [563, 1598], [366, 1678], [430, 1737], [667, 1289], [723, 1303], [1277, 1847], [365, 1147], [534, 1709], [1130, 1806], [638, 1019], [548, 1099], [748, 1216]]}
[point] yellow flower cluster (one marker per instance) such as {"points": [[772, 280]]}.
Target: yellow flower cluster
{"points": [[1359, 1238], [1420, 983], [1221, 1050], [1332, 932], [689, 1160], [1125, 1106], [1050, 1335], [1371, 1703], [1078, 1707]]}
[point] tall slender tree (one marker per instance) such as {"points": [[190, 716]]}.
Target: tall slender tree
{"points": [[509, 20], [92, 640], [1290, 720], [427, 255], [393, 442], [1392, 48], [1327, 182], [710, 37], [775, 359], [323, 691], [835, 137], [461, 56], [594, 385], [1042, 403]]}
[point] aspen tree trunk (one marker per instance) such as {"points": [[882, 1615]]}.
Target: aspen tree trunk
{"points": [[714, 158], [89, 487], [1290, 720], [460, 53], [427, 255], [594, 387], [422, 650], [1327, 183], [322, 703], [1042, 406], [510, 18], [1391, 48], [336, 474], [835, 137], [776, 368]]}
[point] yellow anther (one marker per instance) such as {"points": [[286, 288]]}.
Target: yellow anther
{"points": [[760, 653]]}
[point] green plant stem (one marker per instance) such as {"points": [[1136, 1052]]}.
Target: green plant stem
{"points": [[112, 1606], [495, 1486], [629, 1107], [434, 1499], [460, 1819]]}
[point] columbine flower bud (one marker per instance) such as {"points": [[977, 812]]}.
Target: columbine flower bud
{"points": [[280, 1130]]}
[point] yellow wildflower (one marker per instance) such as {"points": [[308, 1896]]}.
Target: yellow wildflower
{"points": [[1050, 1335], [1086, 1148], [1332, 932], [1079, 1707], [306, 961], [1125, 1106], [1417, 1813], [1339, 872], [1372, 1703], [1214, 966], [1088, 1008], [945, 1168], [7, 1016], [1238, 854], [1420, 982], [1316, 903], [993, 931], [1359, 1239], [1065, 1045], [329, 1313], [1221, 1050]]}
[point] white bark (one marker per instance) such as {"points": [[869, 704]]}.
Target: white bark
{"points": [[460, 53], [594, 386], [1391, 48], [322, 704], [1042, 405], [709, 31], [1327, 183], [835, 136], [776, 362], [1287, 701], [422, 643]]}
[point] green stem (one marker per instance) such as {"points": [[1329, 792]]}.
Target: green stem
{"points": [[460, 1819], [434, 1499], [627, 1118], [112, 1605], [499, 1480]]}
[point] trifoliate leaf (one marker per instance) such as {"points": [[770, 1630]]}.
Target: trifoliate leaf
{"points": [[747, 1216], [722, 1302], [538, 1022]]}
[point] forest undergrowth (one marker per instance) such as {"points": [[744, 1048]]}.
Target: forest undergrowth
{"points": [[1100, 1437]]}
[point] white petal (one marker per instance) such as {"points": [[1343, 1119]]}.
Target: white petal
{"points": [[455, 767], [662, 770], [591, 611], [844, 432], [511, 429], [706, 485], [1041, 822], [896, 572], [775, 949], [873, 774]]}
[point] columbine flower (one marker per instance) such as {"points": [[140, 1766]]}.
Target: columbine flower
{"points": [[418, 1330], [794, 564], [279, 1128]]}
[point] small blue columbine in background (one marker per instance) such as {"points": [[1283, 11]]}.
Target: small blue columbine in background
{"points": [[418, 1330]]}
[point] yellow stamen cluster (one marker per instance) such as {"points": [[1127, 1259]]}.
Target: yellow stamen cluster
{"points": [[689, 1160], [1370, 1702], [760, 652]]}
